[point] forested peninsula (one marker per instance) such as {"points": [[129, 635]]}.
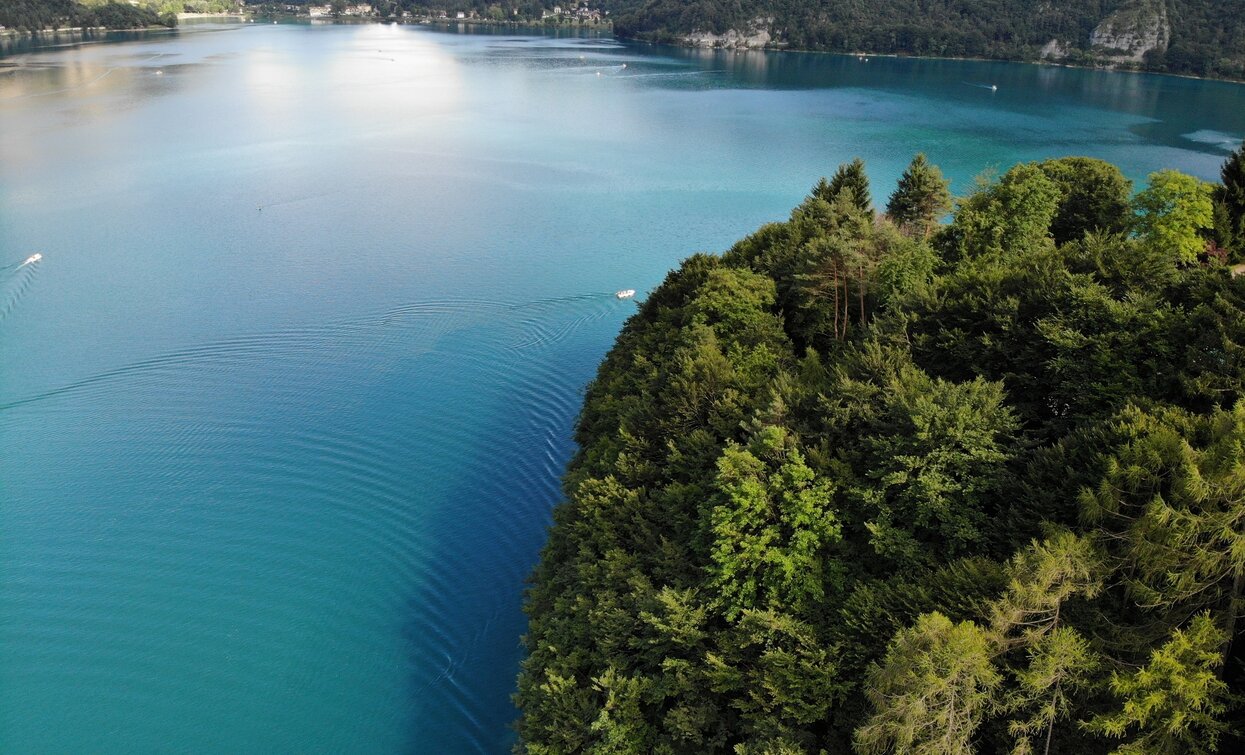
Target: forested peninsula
{"points": [[873, 482], [1195, 37]]}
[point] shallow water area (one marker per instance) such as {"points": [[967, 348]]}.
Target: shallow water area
{"points": [[285, 401]]}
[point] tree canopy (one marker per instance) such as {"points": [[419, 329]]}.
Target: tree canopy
{"points": [[877, 483]]}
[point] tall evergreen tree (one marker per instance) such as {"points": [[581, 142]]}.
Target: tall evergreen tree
{"points": [[1172, 503], [1030, 615], [1061, 664], [921, 197], [1231, 194], [850, 176]]}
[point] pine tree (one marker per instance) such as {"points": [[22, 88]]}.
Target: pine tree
{"points": [[921, 197], [850, 176]]}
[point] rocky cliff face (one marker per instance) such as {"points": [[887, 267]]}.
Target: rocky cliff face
{"points": [[1053, 50], [755, 37], [1132, 31]]}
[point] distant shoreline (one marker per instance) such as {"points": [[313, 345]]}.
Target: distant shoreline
{"points": [[10, 33], [608, 25], [1109, 68], [241, 16]]}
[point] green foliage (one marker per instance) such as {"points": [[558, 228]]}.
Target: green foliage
{"points": [[1061, 664], [905, 265], [37, 15], [1173, 500], [772, 529], [1044, 576], [851, 177], [844, 487], [1230, 196], [1176, 215], [932, 458], [931, 691], [1010, 218], [1094, 197], [1172, 704], [921, 197]]}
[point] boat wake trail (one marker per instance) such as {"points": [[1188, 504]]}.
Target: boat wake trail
{"points": [[530, 324], [20, 278], [420, 446]]}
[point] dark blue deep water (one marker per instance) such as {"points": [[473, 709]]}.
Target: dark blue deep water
{"points": [[284, 404]]}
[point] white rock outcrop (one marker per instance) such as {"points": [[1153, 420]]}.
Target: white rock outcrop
{"points": [[1132, 31], [1053, 50], [755, 37]]}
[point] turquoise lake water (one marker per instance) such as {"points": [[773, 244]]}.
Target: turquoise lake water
{"points": [[284, 405]]}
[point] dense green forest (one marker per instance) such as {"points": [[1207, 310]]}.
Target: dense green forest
{"points": [[37, 15], [872, 482], [1207, 37]]}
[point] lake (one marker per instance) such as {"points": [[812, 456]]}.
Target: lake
{"points": [[284, 405]]}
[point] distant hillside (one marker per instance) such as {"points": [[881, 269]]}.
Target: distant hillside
{"points": [[1200, 37], [38, 15]]}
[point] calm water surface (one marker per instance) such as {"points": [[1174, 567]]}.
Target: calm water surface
{"points": [[284, 405]]}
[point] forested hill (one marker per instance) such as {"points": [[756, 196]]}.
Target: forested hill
{"points": [[39, 15], [1201, 37], [868, 482]]}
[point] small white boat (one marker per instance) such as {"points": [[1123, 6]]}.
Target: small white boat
{"points": [[36, 257], [626, 293], [994, 87]]}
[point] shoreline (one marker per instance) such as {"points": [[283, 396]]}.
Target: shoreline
{"points": [[81, 30], [683, 43], [609, 25], [1107, 68]]}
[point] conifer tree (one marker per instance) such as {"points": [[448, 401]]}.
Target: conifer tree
{"points": [[921, 197], [1230, 194], [1171, 706], [850, 176], [931, 691], [1030, 615], [1043, 577], [1176, 511]]}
